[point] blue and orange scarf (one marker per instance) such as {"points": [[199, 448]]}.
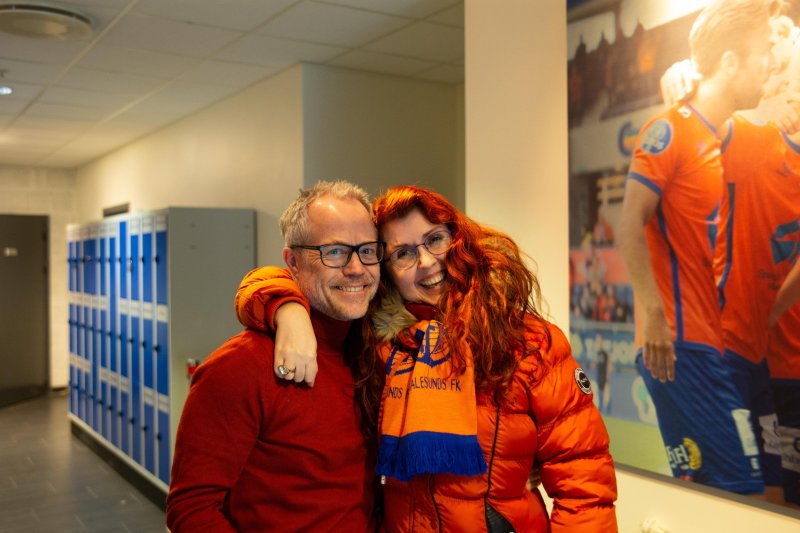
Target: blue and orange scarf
{"points": [[428, 420]]}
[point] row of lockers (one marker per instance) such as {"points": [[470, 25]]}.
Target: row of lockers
{"points": [[127, 346], [119, 350], [126, 258]]}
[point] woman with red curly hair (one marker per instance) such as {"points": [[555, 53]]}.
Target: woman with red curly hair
{"points": [[474, 397]]}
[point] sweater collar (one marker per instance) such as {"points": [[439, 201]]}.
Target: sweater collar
{"points": [[329, 331], [421, 311]]}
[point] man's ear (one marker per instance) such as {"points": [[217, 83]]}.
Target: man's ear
{"points": [[729, 62], [291, 260]]}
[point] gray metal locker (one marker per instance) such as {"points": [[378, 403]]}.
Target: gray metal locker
{"points": [[148, 291]]}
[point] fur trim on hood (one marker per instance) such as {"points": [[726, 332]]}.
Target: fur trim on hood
{"points": [[392, 317]]}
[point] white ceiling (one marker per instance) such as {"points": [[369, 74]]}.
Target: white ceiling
{"points": [[151, 62]]}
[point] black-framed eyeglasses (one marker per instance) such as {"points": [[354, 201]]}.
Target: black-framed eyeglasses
{"points": [[436, 243], [338, 255]]}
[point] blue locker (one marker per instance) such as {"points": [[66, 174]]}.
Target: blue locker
{"points": [[162, 389], [76, 385], [124, 374], [161, 266], [94, 358], [113, 346], [135, 261], [71, 265], [73, 354], [85, 405], [120, 330], [124, 258], [89, 275], [148, 377], [135, 415], [147, 259]]}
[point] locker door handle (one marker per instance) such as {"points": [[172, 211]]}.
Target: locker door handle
{"points": [[158, 436]]}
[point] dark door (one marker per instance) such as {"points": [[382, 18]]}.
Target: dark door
{"points": [[23, 307]]}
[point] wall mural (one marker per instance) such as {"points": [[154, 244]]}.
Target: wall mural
{"points": [[684, 228]]}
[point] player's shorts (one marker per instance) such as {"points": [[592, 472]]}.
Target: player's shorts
{"points": [[704, 423], [787, 405], [752, 381]]}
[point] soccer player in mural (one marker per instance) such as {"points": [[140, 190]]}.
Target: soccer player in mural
{"points": [[756, 245], [667, 236]]}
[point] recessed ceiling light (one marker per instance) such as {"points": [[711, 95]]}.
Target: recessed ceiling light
{"points": [[5, 90], [43, 22]]}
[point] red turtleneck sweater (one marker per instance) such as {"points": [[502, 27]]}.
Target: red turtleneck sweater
{"points": [[256, 453]]}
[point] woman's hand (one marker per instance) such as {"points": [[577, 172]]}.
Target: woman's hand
{"points": [[295, 344]]}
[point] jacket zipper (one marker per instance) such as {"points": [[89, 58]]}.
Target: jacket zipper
{"points": [[491, 457], [435, 505]]}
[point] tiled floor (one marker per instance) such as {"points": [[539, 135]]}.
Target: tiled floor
{"points": [[50, 481]]}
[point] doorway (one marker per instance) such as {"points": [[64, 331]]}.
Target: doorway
{"points": [[24, 366]]}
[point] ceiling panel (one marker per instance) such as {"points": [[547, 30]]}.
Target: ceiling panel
{"points": [[277, 53], [400, 66], [105, 81], [26, 71], [241, 15], [328, 24], [151, 62], [406, 8], [423, 40], [158, 34], [225, 73], [143, 62]]}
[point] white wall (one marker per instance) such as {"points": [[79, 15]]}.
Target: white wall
{"points": [[51, 192], [516, 178], [376, 130], [246, 151]]}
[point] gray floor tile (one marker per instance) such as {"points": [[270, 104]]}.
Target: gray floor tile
{"points": [[50, 481]]}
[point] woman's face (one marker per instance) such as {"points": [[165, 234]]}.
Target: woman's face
{"points": [[425, 280]]}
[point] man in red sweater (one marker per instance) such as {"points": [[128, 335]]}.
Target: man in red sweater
{"points": [[256, 451]]}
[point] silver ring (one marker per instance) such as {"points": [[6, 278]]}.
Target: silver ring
{"points": [[283, 371]]}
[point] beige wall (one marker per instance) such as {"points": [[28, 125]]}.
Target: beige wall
{"points": [[51, 192], [516, 178], [378, 130], [246, 151]]}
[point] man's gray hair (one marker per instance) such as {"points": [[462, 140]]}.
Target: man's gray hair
{"points": [[294, 221]]}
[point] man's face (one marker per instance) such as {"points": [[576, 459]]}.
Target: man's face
{"points": [[340, 293], [754, 69]]}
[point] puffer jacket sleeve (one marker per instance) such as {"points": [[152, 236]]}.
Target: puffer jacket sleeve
{"points": [[573, 460], [261, 292]]}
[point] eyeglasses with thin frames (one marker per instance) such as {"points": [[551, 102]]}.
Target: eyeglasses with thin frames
{"points": [[436, 243], [339, 255]]}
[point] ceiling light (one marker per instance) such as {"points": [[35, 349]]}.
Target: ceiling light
{"points": [[43, 22], [5, 90]]}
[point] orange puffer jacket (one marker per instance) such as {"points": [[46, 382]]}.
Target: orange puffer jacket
{"points": [[544, 426], [545, 423]]}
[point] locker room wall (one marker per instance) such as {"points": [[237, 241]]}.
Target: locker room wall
{"points": [[257, 148], [246, 151], [51, 192], [418, 124], [529, 158]]}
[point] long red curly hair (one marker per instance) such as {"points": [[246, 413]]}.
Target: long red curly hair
{"points": [[490, 291]]}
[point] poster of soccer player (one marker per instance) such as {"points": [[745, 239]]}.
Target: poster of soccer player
{"points": [[684, 136]]}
